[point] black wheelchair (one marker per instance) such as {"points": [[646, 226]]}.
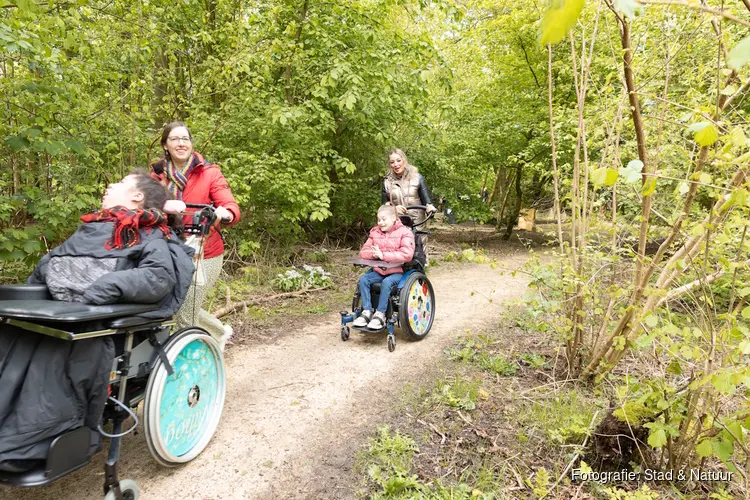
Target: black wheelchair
{"points": [[411, 305], [178, 376]]}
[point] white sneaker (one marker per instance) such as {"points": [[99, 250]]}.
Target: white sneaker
{"points": [[377, 322], [228, 332], [363, 319]]}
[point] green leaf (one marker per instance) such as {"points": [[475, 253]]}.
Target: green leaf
{"points": [[697, 127], [651, 320], [684, 188], [31, 246], [627, 7], [707, 135], [16, 142], [649, 187], [722, 382], [740, 54], [657, 438], [739, 197], [723, 449], [599, 176], [704, 448], [746, 312], [737, 137], [632, 172], [351, 100], [559, 18]]}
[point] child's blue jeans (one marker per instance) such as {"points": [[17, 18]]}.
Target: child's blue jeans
{"points": [[370, 278]]}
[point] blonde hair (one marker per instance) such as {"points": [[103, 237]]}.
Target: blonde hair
{"points": [[396, 151], [388, 209], [410, 170]]}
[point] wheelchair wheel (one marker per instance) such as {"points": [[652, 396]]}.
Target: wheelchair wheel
{"points": [[416, 306], [128, 488], [182, 411]]}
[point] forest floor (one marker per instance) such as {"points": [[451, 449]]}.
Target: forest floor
{"points": [[300, 402]]}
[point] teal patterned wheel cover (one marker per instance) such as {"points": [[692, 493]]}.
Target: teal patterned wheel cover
{"points": [[419, 307], [188, 398]]}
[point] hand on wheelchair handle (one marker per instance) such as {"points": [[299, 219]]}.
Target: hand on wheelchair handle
{"points": [[223, 215]]}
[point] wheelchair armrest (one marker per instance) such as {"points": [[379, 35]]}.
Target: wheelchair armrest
{"points": [[375, 263], [24, 292], [68, 312]]}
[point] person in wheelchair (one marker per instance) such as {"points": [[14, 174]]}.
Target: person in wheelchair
{"points": [[124, 252], [389, 241]]}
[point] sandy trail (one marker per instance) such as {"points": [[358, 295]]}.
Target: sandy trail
{"points": [[297, 410]]}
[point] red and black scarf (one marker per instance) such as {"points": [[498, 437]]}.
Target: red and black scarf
{"points": [[127, 224]]}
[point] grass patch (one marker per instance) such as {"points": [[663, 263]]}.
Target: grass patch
{"points": [[482, 351], [472, 435], [458, 393], [388, 462], [561, 419], [319, 309]]}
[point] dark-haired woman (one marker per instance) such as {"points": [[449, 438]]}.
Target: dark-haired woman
{"points": [[124, 252], [188, 177]]}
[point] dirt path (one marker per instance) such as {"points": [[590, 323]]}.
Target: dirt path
{"points": [[297, 410]]}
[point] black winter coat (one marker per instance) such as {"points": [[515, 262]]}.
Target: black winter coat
{"points": [[155, 270]]}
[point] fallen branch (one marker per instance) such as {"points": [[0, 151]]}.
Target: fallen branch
{"points": [[681, 290], [259, 300]]}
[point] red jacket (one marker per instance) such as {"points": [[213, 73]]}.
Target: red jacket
{"points": [[397, 245], [206, 184]]}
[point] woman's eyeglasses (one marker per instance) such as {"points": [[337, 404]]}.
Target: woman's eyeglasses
{"points": [[179, 139]]}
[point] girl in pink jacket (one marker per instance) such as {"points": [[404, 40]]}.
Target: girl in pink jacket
{"points": [[389, 241]]}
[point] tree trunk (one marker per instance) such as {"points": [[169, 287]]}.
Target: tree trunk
{"points": [[513, 216]]}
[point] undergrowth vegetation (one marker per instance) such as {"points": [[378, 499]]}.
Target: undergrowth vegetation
{"points": [[496, 422]]}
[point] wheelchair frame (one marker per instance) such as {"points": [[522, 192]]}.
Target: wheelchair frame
{"points": [[31, 308]]}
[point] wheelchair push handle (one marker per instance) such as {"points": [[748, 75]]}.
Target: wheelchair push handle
{"points": [[203, 217], [430, 215], [210, 208]]}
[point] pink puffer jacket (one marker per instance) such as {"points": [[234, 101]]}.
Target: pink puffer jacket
{"points": [[397, 245]]}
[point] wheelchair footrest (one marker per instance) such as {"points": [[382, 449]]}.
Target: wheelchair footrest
{"points": [[68, 452], [364, 329]]}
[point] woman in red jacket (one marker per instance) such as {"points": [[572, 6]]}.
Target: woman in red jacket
{"points": [[188, 177]]}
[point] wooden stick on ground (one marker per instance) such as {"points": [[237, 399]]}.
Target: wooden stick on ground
{"points": [[259, 300]]}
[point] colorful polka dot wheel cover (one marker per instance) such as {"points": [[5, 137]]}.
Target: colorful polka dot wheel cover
{"points": [[420, 307], [189, 398]]}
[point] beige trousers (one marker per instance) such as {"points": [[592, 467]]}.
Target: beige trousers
{"points": [[191, 312]]}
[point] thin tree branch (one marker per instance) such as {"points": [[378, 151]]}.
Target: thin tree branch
{"points": [[696, 6]]}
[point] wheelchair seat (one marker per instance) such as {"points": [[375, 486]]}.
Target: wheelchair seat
{"points": [[76, 317]]}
